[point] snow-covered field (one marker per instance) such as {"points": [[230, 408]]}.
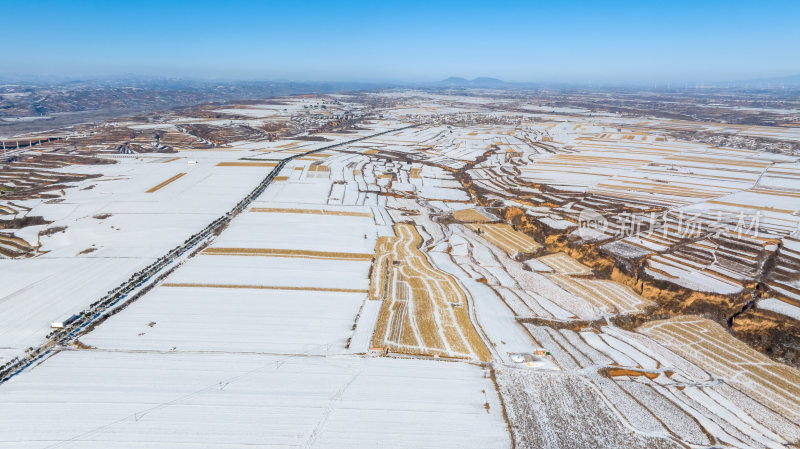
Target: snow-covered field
{"points": [[270, 271], [110, 231], [233, 320], [275, 333], [333, 233], [778, 306], [129, 399]]}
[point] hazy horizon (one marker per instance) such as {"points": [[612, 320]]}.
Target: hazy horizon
{"points": [[575, 42]]}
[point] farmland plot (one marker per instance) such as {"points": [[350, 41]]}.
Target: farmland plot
{"points": [[661, 394], [233, 320], [557, 294], [502, 235], [471, 215], [494, 318], [105, 229], [275, 332], [563, 264], [609, 296], [287, 230], [273, 271], [710, 347], [100, 399], [526, 292], [424, 310], [36, 292], [543, 407]]}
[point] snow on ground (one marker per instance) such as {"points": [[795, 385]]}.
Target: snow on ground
{"points": [[691, 278], [274, 272], [778, 306], [261, 339], [113, 227], [99, 399], [542, 408], [365, 326], [496, 320], [7, 354], [233, 320], [36, 292], [299, 231]]}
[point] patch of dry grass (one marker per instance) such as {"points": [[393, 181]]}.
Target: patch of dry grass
{"points": [[282, 210], [165, 183], [470, 216], [506, 238], [274, 252], [710, 347], [425, 311], [263, 287], [247, 164]]}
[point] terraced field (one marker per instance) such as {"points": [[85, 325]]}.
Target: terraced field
{"points": [[707, 344], [423, 276], [425, 311], [505, 237]]}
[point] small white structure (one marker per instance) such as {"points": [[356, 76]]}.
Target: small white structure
{"points": [[539, 359], [378, 351], [63, 324]]}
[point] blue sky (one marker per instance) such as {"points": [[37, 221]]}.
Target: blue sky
{"points": [[625, 41]]}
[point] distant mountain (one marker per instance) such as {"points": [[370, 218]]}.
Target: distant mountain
{"points": [[455, 81]]}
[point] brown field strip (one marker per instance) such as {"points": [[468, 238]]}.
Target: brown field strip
{"points": [[683, 184], [751, 206], [264, 287], [689, 192], [280, 178], [14, 240], [563, 264], [506, 238], [247, 164], [379, 272], [718, 161], [774, 192], [414, 173], [424, 311], [282, 210], [710, 347], [606, 295], [627, 372], [13, 246], [170, 160], [470, 216], [596, 160], [163, 184], [271, 252]]}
